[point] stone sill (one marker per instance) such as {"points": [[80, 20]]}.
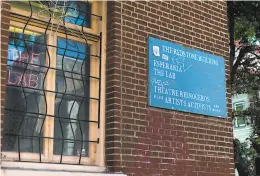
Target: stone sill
{"points": [[42, 169]]}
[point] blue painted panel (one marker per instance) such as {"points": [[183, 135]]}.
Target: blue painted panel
{"points": [[186, 79]]}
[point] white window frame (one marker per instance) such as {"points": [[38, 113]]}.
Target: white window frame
{"points": [[235, 108]]}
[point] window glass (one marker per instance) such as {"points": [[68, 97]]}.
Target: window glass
{"points": [[239, 107], [240, 121], [24, 102], [52, 104], [75, 12], [72, 98]]}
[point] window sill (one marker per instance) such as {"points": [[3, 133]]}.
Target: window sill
{"points": [[9, 168], [242, 126]]}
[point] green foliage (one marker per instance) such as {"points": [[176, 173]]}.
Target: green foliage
{"points": [[247, 18], [247, 9], [243, 28], [242, 157]]}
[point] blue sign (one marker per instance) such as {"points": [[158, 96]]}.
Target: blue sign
{"points": [[186, 79]]}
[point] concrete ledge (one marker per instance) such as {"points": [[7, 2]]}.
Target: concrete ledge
{"points": [[43, 169]]}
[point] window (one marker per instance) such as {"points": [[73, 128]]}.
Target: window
{"points": [[23, 96], [240, 121], [54, 110], [75, 12]]}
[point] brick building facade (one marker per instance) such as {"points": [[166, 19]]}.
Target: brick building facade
{"points": [[149, 141], [142, 140]]}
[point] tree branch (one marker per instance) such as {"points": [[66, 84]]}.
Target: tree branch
{"points": [[240, 57]]}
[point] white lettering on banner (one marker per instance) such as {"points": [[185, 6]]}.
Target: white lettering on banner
{"points": [[190, 100], [179, 93], [169, 75], [185, 79], [158, 72], [190, 104], [189, 55], [167, 66]]}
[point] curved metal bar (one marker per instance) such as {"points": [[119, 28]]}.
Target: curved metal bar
{"points": [[83, 76], [22, 79], [62, 97], [60, 93], [74, 100], [93, 77], [72, 140], [81, 103], [57, 47], [87, 121], [44, 92], [87, 68]]}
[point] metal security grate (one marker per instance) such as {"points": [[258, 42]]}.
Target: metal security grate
{"points": [[30, 93]]}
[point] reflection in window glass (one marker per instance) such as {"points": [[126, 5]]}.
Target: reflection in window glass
{"points": [[78, 13], [240, 121], [24, 96], [72, 98], [239, 107], [75, 12]]}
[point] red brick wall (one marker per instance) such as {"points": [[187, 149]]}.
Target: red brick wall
{"points": [[5, 13], [149, 141], [141, 140]]}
